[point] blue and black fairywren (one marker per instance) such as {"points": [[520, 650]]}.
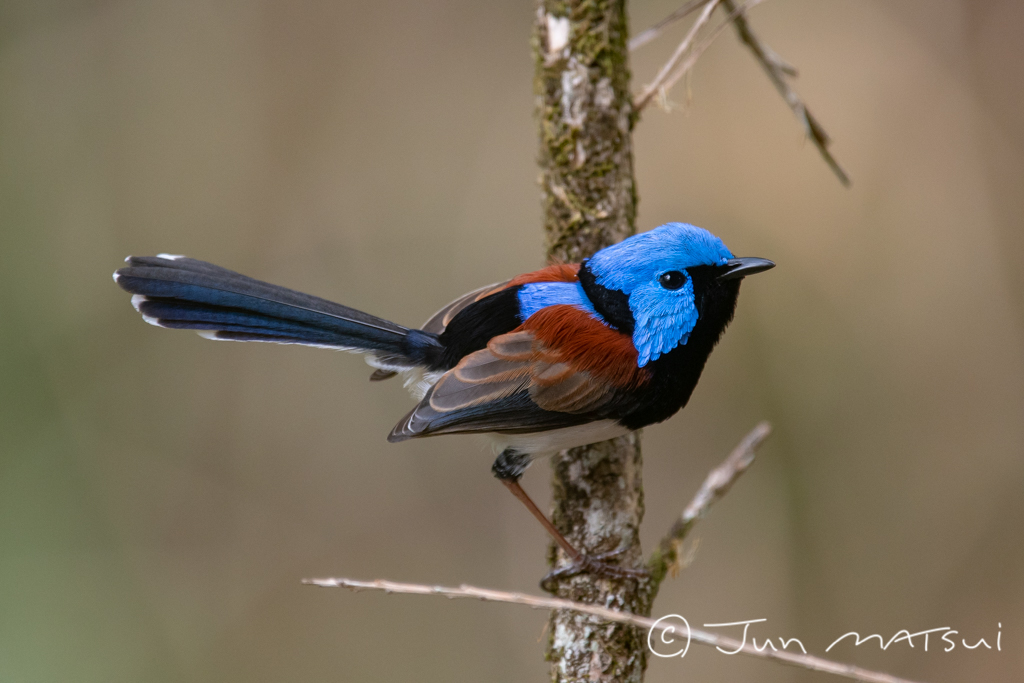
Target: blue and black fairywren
{"points": [[564, 356]]}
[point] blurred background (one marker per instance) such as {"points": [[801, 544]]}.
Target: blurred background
{"points": [[161, 496]]}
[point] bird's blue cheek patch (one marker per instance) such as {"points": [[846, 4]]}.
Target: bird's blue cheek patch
{"points": [[664, 319], [537, 295]]}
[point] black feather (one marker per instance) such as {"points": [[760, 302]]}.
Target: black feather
{"points": [[675, 374], [477, 324], [185, 293], [612, 304]]}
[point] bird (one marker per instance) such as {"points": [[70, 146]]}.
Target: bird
{"points": [[564, 356]]}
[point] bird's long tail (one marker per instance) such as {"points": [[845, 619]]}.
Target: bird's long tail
{"points": [[179, 292]]}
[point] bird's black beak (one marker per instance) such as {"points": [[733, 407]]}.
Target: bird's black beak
{"points": [[742, 267]]}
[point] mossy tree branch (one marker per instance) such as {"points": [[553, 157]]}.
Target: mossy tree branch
{"points": [[586, 121], [585, 115]]}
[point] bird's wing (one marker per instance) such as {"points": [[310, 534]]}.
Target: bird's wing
{"points": [[438, 323], [560, 272], [561, 368]]}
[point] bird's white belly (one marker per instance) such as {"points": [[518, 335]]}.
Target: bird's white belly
{"points": [[544, 443]]}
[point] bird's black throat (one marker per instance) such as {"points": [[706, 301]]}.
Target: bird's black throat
{"points": [[675, 374]]}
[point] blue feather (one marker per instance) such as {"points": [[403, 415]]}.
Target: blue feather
{"points": [[537, 295], [673, 246]]}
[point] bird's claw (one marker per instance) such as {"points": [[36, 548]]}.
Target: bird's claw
{"points": [[593, 564]]}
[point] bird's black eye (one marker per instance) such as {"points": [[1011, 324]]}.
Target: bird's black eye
{"points": [[673, 279]]}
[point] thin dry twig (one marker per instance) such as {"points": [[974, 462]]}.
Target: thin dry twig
{"points": [[699, 49], [670, 73], [777, 69], [718, 482], [657, 85], [661, 626], [775, 66], [644, 37]]}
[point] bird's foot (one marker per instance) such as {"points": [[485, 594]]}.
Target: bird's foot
{"points": [[593, 564]]}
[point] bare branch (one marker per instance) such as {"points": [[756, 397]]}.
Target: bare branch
{"points": [[644, 98], [670, 73], [666, 557], [661, 626], [644, 37], [775, 66], [699, 49], [777, 69]]}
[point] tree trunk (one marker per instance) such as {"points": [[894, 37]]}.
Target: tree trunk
{"points": [[585, 114]]}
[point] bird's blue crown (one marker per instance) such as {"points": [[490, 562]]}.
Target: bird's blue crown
{"points": [[641, 258]]}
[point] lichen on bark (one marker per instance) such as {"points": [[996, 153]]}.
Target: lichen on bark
{"points": [[585, 119], [598, 505], [585, 111]]}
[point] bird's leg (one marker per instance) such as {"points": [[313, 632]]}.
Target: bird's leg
{"points": [[517, 491], [508, 468]]}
